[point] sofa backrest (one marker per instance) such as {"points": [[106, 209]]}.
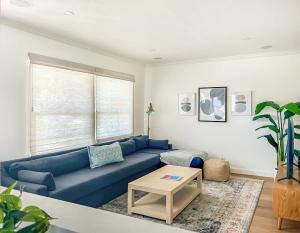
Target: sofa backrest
{"points": [[4, 172], [57, 165]]}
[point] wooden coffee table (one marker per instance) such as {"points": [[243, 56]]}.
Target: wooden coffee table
{"points": [[165, 198]]}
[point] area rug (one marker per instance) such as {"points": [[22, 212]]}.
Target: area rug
{"points": [[223, 207]]}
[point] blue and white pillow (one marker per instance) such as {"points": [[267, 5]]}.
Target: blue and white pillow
{"points": [[101, 155]]}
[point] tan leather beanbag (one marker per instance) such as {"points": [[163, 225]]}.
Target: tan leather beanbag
{"points": [[216, 170]]}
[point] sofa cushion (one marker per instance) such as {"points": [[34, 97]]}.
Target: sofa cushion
{"points": [[78, 184], [57, 165], [141, 142], [42, 178], [101, 155], [158, 144], [128, 147]]}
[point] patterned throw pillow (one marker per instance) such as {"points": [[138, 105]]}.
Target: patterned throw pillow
{"points": [[101, 155]]}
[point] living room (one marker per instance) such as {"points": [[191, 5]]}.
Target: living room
{"points": [[163, 116]]}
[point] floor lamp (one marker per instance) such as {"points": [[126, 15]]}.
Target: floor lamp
{"points": [[149, 111]]}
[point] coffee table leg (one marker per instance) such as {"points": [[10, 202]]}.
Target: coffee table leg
{"points": [[169, 208], [130, 199], [199, 182]]}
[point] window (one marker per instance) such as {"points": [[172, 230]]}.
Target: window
{"points": [[114, 107], [75, 105], [62, 109]]}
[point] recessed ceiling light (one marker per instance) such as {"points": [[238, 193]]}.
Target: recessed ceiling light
{"points": [[20, 3], [70, 13], [266, 47], [157, 58]]}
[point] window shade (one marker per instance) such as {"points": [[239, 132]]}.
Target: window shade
{"points": [[59, 63], [62, 109], [114, 106]]}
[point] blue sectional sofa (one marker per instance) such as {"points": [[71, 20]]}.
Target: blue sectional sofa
{"points": [[75, 181]]}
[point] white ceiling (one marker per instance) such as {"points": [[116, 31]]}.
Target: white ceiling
{"points": [[172, 29]]}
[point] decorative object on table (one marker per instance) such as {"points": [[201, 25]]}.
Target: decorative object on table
{"points": [[15, 219], [149, 111], [212, 104], [277, 125], [216, 170], [241, 103], [221, 207], [186, 104], [172, 177], [290, 151]]}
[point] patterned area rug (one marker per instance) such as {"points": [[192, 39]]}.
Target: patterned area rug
{"points": [[223, 207]]}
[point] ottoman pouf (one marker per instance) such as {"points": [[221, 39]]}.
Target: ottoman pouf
{"points": [[216, 170]]}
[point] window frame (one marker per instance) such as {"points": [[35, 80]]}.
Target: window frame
{"points": [[62, 64]]}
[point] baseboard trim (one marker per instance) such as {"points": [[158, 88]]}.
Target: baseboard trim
{"points": [[253, 172]]}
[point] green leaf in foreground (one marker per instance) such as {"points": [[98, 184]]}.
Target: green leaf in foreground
{"points": [[11, 201], [9, 189], [1, 216], [12, 215], [37, 227]]}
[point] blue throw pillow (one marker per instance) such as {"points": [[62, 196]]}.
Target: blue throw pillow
{"points": [[101, 155], [128, 147], [141, 142], [42, 178], [57, 165], [159, 144]]}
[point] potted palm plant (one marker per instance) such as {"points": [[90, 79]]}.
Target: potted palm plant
{"points": [[277, 125], [15, 219]]}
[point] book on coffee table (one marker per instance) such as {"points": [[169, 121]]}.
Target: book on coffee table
{"points": [[170, 177]]}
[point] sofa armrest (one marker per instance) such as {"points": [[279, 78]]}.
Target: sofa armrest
{"points": [[170, 146], [33, 188], [28, 187], [40, 178]]}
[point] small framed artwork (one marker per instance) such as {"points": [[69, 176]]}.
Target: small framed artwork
{"points": [[186, 104], [212, 104], [241, 104]]}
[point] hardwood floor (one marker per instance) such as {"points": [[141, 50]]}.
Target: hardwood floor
{"points": [[263, 221]]}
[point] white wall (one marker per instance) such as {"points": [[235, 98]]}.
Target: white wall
{"points": [[14, 47], [276, 78], [270, 78]]}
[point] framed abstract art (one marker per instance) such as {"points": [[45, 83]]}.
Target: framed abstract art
{"points": [[186, 104], [212, 104], [241, 103]]}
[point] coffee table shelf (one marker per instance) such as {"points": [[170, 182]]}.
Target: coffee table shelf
{"points": [[154, 205]]}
